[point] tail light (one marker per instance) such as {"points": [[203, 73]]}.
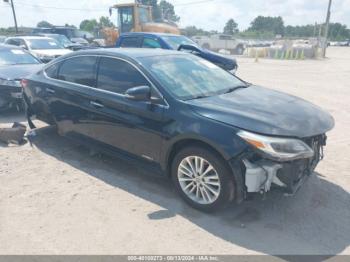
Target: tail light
{"points": [[24, 83]]}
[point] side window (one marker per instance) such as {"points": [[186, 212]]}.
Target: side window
{"points": [[117, 76], [150, 43], [130, 42], [79, 70], [13, 42], [52, 71]]}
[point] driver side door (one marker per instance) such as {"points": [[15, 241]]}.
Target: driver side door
{"points": [[133, 127]]}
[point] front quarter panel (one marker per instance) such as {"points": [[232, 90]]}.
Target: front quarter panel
{"points": [[184, 124]]}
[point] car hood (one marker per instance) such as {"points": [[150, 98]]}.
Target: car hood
{"points": [[15, 72], [51, 52], [265, 111], [231, 63]]}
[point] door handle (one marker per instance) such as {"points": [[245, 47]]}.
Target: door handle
{"points": [[96, 104], [50, 91]]}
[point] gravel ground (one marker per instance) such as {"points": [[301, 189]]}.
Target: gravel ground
{"points": [[56, 198]]}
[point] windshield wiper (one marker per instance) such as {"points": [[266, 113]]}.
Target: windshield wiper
{"points": [[197, 97], [232, 89]]}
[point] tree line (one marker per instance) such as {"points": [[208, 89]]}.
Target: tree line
{"points": [[262, 27], [267, 27]]}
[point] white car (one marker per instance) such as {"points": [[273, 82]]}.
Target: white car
{"points": [[44, 48]]}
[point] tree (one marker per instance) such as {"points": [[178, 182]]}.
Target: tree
{"points": [[88, 25], [268, 24], [168, 11], [192, 31], [231, 27], [105, 22], [156, 13], [161, 11], [68, 25], [44, 24]]}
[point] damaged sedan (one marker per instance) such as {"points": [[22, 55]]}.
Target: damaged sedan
{"points": [[15, 64], [216, 136]]}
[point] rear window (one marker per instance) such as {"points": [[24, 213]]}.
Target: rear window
{"points": [[79, 70], [130, 42], [150, 43]]}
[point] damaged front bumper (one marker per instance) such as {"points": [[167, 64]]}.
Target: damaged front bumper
{"points": [[261, 174], [10, 97]]}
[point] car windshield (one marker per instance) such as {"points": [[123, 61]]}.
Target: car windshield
{"points": [[63, 40], [37, 44], [189, 77], [16, 57], [176, 41]]}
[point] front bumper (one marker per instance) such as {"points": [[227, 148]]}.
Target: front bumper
{"points": [[10, 96], [262, 174]]}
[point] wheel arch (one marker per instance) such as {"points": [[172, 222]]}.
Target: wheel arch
{"points": [[190, 141]]}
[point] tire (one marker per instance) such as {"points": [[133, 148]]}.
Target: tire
{"points": [[219, 179]]}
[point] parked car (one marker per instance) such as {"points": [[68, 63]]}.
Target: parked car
{"points": [[71, 33], [44, 48], [175, 42], [2, 39], [221, 41], [15, 64], [216, 136], [65, 42]]}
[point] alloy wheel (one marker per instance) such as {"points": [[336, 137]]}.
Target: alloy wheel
{"points": [[199, 180]]}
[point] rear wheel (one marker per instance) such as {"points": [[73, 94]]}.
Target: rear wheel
{"points": [[203, 179]]}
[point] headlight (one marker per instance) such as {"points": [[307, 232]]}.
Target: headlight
{"points": [[4, 82], [283, 149]]}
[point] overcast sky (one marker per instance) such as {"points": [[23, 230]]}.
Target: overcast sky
{"points": [[206, 14]]}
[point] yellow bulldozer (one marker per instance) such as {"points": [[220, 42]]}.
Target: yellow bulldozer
{"points": [[135, 17]]}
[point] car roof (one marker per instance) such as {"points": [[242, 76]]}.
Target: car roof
{"points": [[9, 47], [31, 37], [148, 34], [128, 52]]}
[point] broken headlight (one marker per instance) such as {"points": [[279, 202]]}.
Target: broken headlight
{"points": [[282, 149], [5, 82]]}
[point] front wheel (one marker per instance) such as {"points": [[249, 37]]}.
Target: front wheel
{"points": [[203, 179]]}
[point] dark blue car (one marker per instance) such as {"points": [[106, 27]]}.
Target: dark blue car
{"points": [[216, 136], [175, 42]]}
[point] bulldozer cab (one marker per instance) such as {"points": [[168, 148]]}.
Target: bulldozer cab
{"points": [[132, 16]]}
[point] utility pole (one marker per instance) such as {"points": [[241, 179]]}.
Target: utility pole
{"points": [[14, 13], [327, 28]]}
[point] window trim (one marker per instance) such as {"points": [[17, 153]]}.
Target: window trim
{"points": [[152, 85]]}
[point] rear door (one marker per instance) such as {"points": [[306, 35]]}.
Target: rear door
{"points": [[70, 93]]}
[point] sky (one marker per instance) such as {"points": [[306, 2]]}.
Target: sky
{"points": [[206, 14]]}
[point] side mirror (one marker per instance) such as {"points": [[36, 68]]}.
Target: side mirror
{"points": [[192, 48], [139, 93], [23, 46]]}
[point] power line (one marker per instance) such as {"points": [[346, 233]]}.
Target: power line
{"points": [[101, 10], [62, 8]]}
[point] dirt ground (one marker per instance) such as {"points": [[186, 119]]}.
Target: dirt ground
{"points": [[56, 198]]}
